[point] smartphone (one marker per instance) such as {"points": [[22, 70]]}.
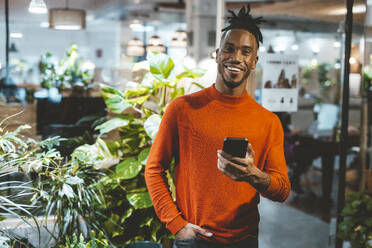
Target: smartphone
{"points": [[237, 147]]}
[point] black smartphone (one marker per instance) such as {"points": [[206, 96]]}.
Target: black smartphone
{"points": [[237, 147]]}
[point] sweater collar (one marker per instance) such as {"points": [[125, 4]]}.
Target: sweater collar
{"points": [[214, 93]]}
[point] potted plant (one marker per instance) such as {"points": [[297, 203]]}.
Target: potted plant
{"points": [[357, 224], [71, 74]]}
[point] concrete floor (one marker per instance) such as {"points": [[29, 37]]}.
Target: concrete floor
{"points": [[283, 226]]}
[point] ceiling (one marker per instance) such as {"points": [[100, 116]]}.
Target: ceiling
{"points": [[294, 14]]}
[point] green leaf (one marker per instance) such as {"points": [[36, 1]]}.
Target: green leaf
{"points": [[139, 200], [142, 157], [67, 191], [199, 85], [178, 92], [138, 100], [128, 169], [112, 124], [74, 180], [193, 73], [126, 215], [152, 124], [139, 91], [160, 64], [114, 99]]}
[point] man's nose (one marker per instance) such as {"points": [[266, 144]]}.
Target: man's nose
{"points": [[237, 57]]}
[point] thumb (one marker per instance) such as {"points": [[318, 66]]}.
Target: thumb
{"points": [[202, 231], [250, 152]]}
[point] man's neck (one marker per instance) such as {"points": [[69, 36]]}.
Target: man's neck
{"points": [[237, 91]]}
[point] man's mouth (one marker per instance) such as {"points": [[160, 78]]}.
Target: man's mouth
{"points": [[233, 69]]}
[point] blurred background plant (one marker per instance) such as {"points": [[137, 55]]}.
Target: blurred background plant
{"points": [[71, 73]]}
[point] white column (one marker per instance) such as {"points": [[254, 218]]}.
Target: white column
{"points": [[220, 20], [201, 21]]}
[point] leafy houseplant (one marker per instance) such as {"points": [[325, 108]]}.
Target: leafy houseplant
{"points": [[71, 73], [14, 152], [323, 77], [137, 115], [357, 224], [94, 242]]}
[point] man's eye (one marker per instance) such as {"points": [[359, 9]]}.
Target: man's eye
{"points": [[246, 52], [229, 49]]}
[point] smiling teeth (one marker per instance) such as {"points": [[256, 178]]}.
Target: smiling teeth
{"points": [[233, 68]]}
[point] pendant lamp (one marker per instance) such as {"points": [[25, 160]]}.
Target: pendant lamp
{"points": [[67, 19], [37, 7], [155, 44], [135, 48], [179, 39]]}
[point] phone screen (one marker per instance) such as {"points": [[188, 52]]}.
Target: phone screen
{"points": [[237, 147]]}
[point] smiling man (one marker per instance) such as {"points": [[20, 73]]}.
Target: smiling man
{"points": [[217, 194]]}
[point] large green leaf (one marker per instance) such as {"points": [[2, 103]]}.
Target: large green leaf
{"points": [[151, 125], [128, 169], [139, 200], [114, 99], [138, 100], [112, 124], [139, 91], [160, 63], [193, 73], [178, 92], [142, 157]]}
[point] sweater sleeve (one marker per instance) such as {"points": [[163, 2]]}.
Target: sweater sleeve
{"points": [[164, 148], [276, 166]]}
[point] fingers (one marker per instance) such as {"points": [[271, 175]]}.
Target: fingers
{"points": [[234, 171], [250, 152], [223, 169], [202, 231]]}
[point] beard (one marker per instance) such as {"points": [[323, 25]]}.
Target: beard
{"points": [[232, 84]]}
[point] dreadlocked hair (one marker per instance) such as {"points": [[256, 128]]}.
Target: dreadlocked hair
{"points": [[244, 20]]}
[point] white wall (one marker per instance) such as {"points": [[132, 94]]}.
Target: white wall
{"points": [[104, 35]]}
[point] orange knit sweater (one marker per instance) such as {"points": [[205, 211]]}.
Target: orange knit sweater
{"points": [[192, 130]]}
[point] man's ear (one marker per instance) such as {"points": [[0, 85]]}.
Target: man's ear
{"points": [[254, 63], [217, 51]]}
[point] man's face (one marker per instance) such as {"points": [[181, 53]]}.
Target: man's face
{"points": [[236, 57]]}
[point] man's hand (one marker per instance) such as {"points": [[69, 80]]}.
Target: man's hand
{"points": [[191, 231], [238, 169], [243, 169]]}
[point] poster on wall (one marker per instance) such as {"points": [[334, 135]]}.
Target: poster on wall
{"points": [[279, 82]]}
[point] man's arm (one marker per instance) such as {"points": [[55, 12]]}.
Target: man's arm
{"points": [[273, 182], [164, 148]]}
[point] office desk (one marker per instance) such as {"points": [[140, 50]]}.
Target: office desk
{"points": [[310, 148]]}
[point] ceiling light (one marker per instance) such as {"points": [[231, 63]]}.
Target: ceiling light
{"points": [[67, 19], [37, 7], [262, 49], [179, 39], [138, 27], [336, 44], [352, 60], [135, 48], [16, 35], [294, 47], [155, 44], [315, 48]]}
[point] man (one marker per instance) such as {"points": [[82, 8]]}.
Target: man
{"points": [[217, 194]]}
